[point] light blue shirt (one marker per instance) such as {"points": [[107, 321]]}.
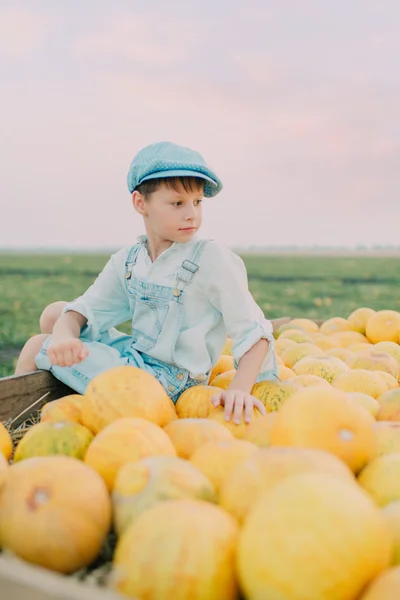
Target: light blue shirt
{"points": [[217, 303]]}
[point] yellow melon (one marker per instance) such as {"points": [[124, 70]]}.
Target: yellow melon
{"points": [[68, 408], [293, 355], [383, 326], [329, 420], [384, 587], [274, 393], [224, 363], [47, 439], [125, 392], [124, 441], [284, 373], [334, 325], [361, 380], [261, 471], [306, 324], [360, 347], [195, 402], [310, 380], [390, 381], [217, 459], [365, 400], [223, 380], [296, 335], [3, 470], [258, 430], [347, 338], [343, 353], [140, 485], [238, 430], [6, 446], [358, 319], [389, 406], [381, 478], [325, 342], [308, 519], [188, 434], [390, 348], [374, 361], [54, 512], [283, 344], [387, 438], [327, 367], [391, 514], [178, 549]]}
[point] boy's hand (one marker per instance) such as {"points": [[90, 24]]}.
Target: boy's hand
{"points": [[66, 352], [236, 402]]}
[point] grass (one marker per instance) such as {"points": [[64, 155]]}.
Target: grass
{"points": [[283, 285]]}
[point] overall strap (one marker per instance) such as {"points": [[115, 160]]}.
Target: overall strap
{"points": [[190, 267], [131, 260]]}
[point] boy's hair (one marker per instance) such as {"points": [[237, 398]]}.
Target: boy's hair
{"points": [[189, 183]]}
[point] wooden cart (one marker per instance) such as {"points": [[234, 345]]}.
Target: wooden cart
{"points": [[20, 398]]}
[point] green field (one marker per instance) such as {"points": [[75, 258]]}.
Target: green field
{"points": [[283, 285]]}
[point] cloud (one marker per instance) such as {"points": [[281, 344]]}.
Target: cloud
{"points": [[143, 40], [21, 32]]}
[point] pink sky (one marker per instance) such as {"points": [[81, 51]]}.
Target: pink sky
{"points": [[295, 105]]}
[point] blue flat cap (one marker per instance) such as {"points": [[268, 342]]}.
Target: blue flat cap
{"points": [[166, 159]]}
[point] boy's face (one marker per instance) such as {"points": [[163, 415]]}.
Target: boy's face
{"points": [[170, 215]]}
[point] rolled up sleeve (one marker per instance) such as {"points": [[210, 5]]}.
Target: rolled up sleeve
{"points": [[105, 303], [244, 320]]}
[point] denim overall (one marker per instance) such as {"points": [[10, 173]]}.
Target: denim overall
{"points": [[156, 322]]}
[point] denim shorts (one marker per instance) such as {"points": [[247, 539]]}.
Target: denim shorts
{"points": [[114, 349]]}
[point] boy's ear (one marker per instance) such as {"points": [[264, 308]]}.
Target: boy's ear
{"points": [[139, 203]]}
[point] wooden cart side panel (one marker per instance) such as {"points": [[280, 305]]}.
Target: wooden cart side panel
{"points": [[19, 580]]}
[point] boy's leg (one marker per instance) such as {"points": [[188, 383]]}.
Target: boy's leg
{"points": [[50, 315], [26, 360]]}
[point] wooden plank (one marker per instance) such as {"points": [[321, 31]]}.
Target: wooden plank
{"points": [[20, 580], [18, 392]]}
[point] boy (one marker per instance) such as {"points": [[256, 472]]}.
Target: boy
{"points": [[184, 295]]}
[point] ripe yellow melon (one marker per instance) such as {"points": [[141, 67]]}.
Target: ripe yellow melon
{"points": [[325, 342], [358, 319], [124, 441], [293, 355], [384, 587], [238, 430], [68, 408], [54, 512], [374, 361], [223, 380], [389, 406], [195, 402], [334, 325], [306, 324], [360, 347], [365, 400], [284, 373], [361, 380], [283, 344], [329, 532], [263, 470], [391, 513], [141, 484], [327, 367], [296, 335], [47, 439], [390, 381], [3, 470], [224, 363], [308, 380], [189, 433], [6, 446], [227, 349], [274, 393], [178, 549], [381, 478], [258, 430], [217, 459], [383, 326], [347, 338], [387, 438], [343, 353], [329, 420], [391, 348], [125, 392]]}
